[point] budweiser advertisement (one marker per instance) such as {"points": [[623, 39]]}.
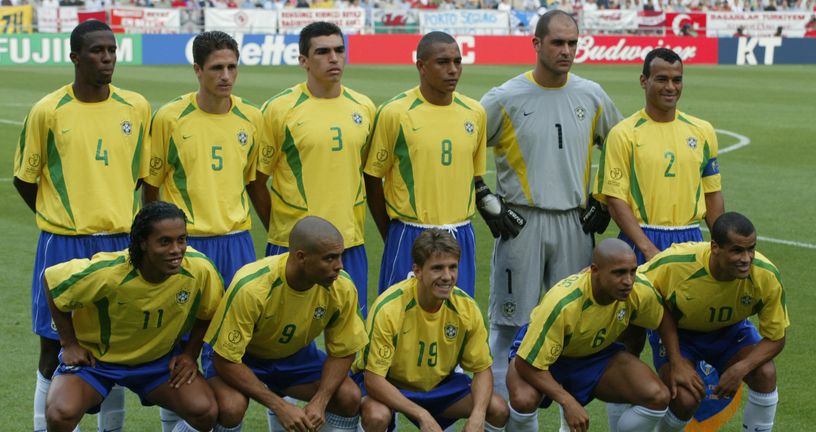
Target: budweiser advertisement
{"points": [[495, 50]]}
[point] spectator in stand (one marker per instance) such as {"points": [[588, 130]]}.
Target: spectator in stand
{"points": [[740, 32], [505, 5], [248, 4]]}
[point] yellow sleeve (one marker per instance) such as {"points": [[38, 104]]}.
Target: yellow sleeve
{"points": [[271, 138], [345, 334], [476, 354], [379, 354], [613, 170], [159, 134], [773, 317], [480, 157], [31, 153], [713, 182], [544, 341], [144, 131], [252, 158], [383, 138], [73, 284], [648, 304], [371, 111], [212, 290], [232, 327]]}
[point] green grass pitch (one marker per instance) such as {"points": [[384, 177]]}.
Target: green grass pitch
{"points": [[771, 180]]}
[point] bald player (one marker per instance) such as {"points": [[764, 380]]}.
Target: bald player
{"points": [[569, 353], [263, 332]]}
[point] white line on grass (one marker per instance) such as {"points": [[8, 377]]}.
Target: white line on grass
{"points": [[11, 122], [793, 243], [742, 141]]}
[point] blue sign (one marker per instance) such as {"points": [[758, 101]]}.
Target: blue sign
{"points": [[255, 49], [766, 51]]}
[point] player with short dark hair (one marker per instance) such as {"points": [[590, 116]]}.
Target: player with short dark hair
{"points": [[315, 144], [80, 159], [542, 125], [204, 152], [420, 330], [570, 355], [711, 288], [263, 336], [427, 149], [120, 316]]}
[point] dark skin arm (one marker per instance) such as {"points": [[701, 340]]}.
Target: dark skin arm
{"points": [[149, 194], [27, 191], [259, 195], [732, 378], [335, 370], [715, 206], [183, 367], [682, 372], [543, 381], [623, 216], [376, 203], [73, 354]]}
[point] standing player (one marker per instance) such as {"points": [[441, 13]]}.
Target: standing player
{"points": [[420, 330], [428, 146], [263, 336], [78, 165], [659, 174], [204, 149], [570, 356], [711, 289], [120, 316], [542, 125], [314, 147]]}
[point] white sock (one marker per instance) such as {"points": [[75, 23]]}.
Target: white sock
{"points": [[451, 428], [274, 424], [638, 418], [183, 426], [335, 422], [111, 416], [220, 428], [40, 394], [500, 340], [760, 410], [169, 419], [564, 426], [613, 414], [521, 422], [670, 423], [490, 428]]}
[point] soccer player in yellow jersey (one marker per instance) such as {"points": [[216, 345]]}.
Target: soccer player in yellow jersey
{"points": [[120, 316], [420, 329], [315, 144], [427, 150], [81, 155], [264, 331], [711, 289], [204, 150], [569, 353]]}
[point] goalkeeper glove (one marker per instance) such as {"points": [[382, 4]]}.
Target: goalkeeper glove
{"points": [[595, 217], [502, 220]]}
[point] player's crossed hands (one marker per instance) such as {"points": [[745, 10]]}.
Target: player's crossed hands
{"points": [[73, 354], [294, 419], [683, 374]]}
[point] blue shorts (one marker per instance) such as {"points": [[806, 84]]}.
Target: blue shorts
{"points": [[397, 262], [716, 347], [302, 367], [355, 263], [141, 379], [436, 401], [578, 375], [54, 249], [229, 252], [664, 238]]}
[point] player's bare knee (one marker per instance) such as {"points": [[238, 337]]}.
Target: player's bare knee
{"points": [[684, 405], [497, 411], [62, 415], [763, 378], [656, 396], [231, 409], [375, 416], [524, 398], [346, 401]]}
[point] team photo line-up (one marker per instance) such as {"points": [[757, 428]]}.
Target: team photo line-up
{"points": [[145, 261]]}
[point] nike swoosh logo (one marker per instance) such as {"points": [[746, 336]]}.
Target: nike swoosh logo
{"points": [[740, 339], [121, 303], [525, 113], [416, 129], [186, 136], [299, 123], [66, 131], [638, 145]]}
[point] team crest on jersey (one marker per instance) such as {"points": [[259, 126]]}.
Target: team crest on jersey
{"points": [[53, 325], [621, 314], [357, 118], [127, 128], [319, 312], [34, 161], [662, 351], [555, 351], [746, 300], [235, 336], [580, 112], [156, 163], [451, 331], [692, 142], [242, 137], [616, 173], [509, 308], [469, 128], [385, 352], [182, 296]]}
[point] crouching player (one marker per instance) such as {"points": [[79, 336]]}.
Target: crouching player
{"points": [[120, 316], [569, 354], [711, 289], [264, 330], [420, 329]]}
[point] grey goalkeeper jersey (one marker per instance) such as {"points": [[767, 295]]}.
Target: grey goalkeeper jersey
{"points": [[542, 139]]}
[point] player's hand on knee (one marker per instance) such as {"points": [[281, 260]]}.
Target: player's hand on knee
{"points": [[684, 375], [74, 354], [183, 370], [503, 221], [730, 381], [427, 423], [316, 414], [294, 419], [595, 217], [576, 416]]}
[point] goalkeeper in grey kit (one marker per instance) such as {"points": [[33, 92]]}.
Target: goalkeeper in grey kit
{"points": [[542, 125]]}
